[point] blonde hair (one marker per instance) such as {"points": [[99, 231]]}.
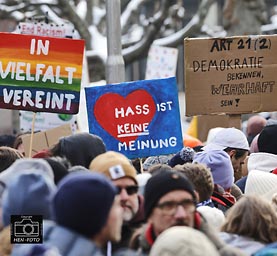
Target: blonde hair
{"points": [[254, 217]]}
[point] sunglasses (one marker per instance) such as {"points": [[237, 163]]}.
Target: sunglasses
{"points": [[131, 190]]}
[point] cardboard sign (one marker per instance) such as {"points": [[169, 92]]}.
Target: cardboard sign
{"points": [[40, 74], [233, 75], [46, 139], [137, 119], [205, 123], [161, 62]]}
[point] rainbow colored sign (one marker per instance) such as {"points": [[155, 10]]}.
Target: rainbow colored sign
{"points": [[138, 119], [40, 74]]}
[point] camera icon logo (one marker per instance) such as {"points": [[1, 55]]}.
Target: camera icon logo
{"points": [[26, 229]]}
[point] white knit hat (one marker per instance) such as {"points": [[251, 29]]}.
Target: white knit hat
{"points": [[213, 216], [181, 240], [261, 183], [262, 161]]}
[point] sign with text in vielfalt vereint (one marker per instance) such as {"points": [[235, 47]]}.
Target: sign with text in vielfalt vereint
{"points": [[137, 119], [232, 75], [40, 74]]}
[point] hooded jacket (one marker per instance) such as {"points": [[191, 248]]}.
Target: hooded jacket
{"points": [[67, 242], [81, 148]]}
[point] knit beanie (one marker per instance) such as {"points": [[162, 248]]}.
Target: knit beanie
{"points": [[267, 141], [220, 164], [180, 240], [26, 165], [28, 193], [185, 155], [58, 168], [162, 183], [81, 148], [153, 160], [114, 165], [83, 202]]}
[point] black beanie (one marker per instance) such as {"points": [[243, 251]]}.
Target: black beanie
{"points": [[58, 168], [267, 141], [81, 148], [162, 183]]}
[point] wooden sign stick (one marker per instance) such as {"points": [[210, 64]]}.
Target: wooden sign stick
{"points": [[32, 135]]}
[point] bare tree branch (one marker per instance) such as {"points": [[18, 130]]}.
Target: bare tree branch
{"points": [[141, 48], [192, 28], [79, 24], [89, 17]]}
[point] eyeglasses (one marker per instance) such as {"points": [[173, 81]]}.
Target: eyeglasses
{"points": [[131, 190], [170, 207]]}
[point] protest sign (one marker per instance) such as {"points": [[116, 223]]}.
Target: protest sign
{"points": [[40, 74], [65, 30], [161, 62], [232, 75], [44, 140], [137, 119], [45, 121]]}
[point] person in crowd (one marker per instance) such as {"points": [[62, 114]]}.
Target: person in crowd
{"points": [[18, 142], [265, 160], [202, 180], [153, 160], [261, 183], [79, 149], [5, 242], [8, 156], [223, 176], [254, 126], [213, 216], [28, 194], [180, 241], [88, 214], [120, 170], [234, 142], [137, 163], [142, 179], [26, 165], [159, 167], [25, 187], [250, 224], [185, 155], [170, 200], [60, 167], [7, 140]]}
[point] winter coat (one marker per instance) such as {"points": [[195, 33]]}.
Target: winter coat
{"points": [[246, 244], [260, 161], [143, 239], [66, 241]]}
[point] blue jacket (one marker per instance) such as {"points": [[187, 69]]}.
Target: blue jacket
{"points": [[67, 242]]}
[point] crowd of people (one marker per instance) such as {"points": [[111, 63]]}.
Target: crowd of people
{"points": [[214, 198]]}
